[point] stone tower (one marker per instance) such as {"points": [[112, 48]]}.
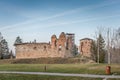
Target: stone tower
{"points": [[62, 40], [53, 41], [70, 41], [85, 47]]}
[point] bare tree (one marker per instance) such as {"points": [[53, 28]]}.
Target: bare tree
{"points": [[115, 46], [100, 45], [108, 46]]}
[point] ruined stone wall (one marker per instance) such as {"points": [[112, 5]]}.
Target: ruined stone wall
{"points": [[38, 50], [53, 41], [70, 41], [85, 47], [57, 48], [62, 40]]}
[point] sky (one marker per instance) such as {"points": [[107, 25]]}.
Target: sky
{"points": [[40, 19]]}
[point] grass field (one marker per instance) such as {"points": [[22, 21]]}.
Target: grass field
{"points": [[62, 68]]}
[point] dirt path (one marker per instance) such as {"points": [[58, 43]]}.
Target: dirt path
{"points": [[62, 74]]}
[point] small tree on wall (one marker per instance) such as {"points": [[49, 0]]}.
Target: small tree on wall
{"points": [[75, 50], [18, 40]]}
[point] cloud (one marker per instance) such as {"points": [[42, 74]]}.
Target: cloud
{"points": [[82, 21], [103, 4]]}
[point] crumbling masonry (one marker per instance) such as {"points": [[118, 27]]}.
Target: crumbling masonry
{"points": [[58, 47]]}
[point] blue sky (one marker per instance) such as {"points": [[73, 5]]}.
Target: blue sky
{"points": [[39, 19]]}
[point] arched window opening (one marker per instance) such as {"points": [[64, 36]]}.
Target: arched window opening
{"points": [[60, 47]]}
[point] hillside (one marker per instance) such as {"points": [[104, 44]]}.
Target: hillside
{"points": [[46, 61]]}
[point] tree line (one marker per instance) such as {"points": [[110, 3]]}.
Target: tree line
{"points": [[106, 46], [5, 53]]}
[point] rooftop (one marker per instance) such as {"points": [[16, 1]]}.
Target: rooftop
{"points": [[86, 39]]}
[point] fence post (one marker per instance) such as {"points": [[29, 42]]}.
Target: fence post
{"points": [[45, 68]]}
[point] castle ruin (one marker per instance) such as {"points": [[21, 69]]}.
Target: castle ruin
{"points": [[85, 47], [58, 47]]}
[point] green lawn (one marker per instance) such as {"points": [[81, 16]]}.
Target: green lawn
{"points": [[62, 68], [42, 77]]}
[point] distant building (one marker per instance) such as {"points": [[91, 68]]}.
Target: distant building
{"points": [[58, 47], [85, 47]]}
